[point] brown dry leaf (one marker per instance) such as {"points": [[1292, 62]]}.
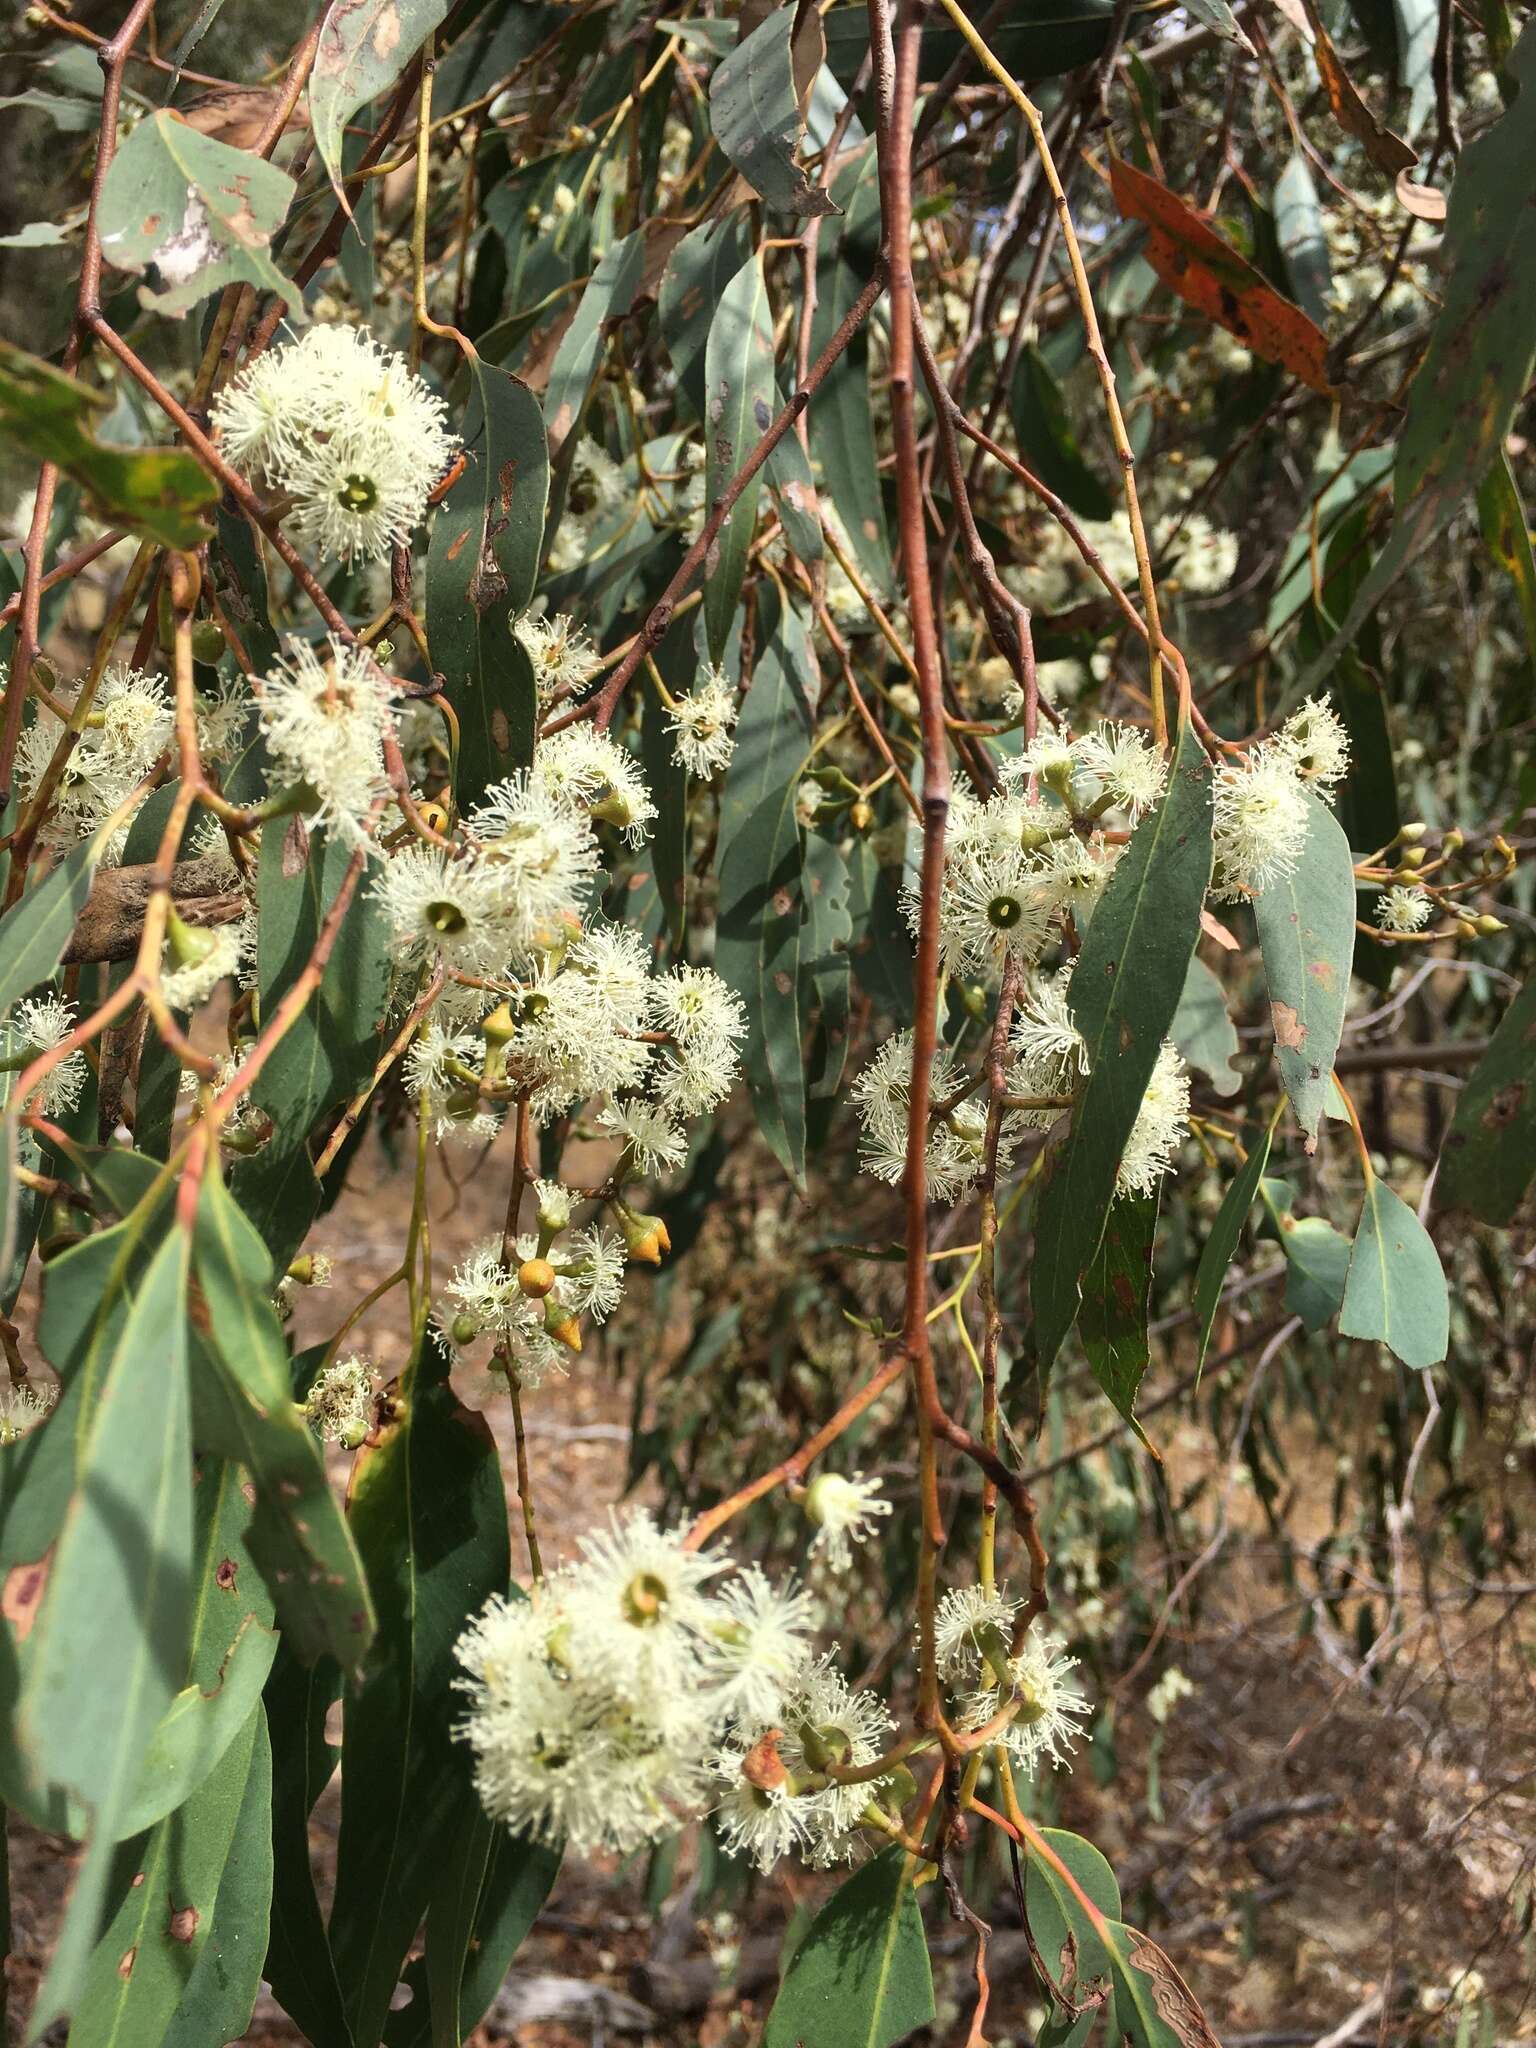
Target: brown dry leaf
{"points": [[1176, 2004], [1209, 274], [1388, 152], [237, 117], [1424, 202]]}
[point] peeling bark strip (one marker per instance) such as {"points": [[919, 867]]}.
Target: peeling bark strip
{"points": [[109, 926]]}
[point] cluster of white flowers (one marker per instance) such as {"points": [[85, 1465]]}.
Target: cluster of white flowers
{"points": [[595, 490], [1188, 548], [35, 1026], [1047, 1064], [560, 652], [196, 961], [342, 1401], [346, 430], [1260, 825], [528, 1309], [324, 717], [701, 724], [988, 1671], [129, 726]]}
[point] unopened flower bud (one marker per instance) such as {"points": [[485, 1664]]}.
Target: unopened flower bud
{"points": [[189, 944], [463, 1329], [861, 816], [645, 1236], [500, 1027], [1465, 928], [536, 1277], [1414, 856], [1487, 925], [434, 816], [1412, 834], [1453, 841], [562, 1326]]}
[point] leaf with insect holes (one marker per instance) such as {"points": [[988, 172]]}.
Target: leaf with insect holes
{"points": [[1208, 273], [364, 47], [194, 215], [161, 494], [755, 112], [1396, 1292]]}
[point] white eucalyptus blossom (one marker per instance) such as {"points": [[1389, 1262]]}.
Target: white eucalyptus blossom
{"points": [[702, 725], [653, 1142], [1259, 826], [971, 1625], [590, 772], [1045, 1728], [1125, 764], [342, 1400], [23, 1405], [844, 1511], [562, 656], [1160, 1124], [448, 908], [347, 431], [542, 853], [955, 1149], [1405, 908], [758, 1643], [217, 956], [324, 718], [1316, 740], [39, 1024], [128, 729]]}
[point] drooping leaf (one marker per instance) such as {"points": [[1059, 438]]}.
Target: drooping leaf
{"points": [[245, 1410], [861, 1976], [364, 47], [824, 962], [1124, 993], [144, 1962], [1299, 225], [429, 1514], [1208, 273], [1217, 15], [1307, 936], [795, 496], [755, 112], [1048, 441], [1490, 1151], [162, 494], [759, 862], [1396, 1292], [482, 564], [194, 214], [739, 404], [1065, 1934], [1216, 1255], [218, 1998], [1316, 1258], [1112, 1321], [1418, 24], [35, 931], [1203, 1030]]}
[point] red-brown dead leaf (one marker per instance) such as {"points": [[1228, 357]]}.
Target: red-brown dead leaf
{"points": [[1208, 273]]}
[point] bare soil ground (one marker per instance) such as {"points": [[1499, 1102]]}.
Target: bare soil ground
{"points": [[1310, 1846]]}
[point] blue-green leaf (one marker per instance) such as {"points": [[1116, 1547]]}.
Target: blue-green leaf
{"points": [[739, 405], [1216, 1255], [35, 931], [1307, 936], [861, 1977], [754, 110], [364, 47], [1396, 1292]]}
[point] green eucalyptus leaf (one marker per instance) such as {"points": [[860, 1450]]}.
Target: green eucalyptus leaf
{"points": [[609, 295], [754, 110], [364, 47], [1112, 1320], [1202, 1029], [760, 863], [1490, 1151], [843, 450], [35, 931], [697, 272], [1124, 993], [1396, 1292], [1316, 1258], [1047, 440], [1307, 936], [1507, 532], [162, 494], [299, 1964], [482, 565], [739, 404], [195, 214], [429, 1514], [861, 1975], [1299, 226], [1216, 1256]]}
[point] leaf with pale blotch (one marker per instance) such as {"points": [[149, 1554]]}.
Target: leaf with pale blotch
{"points": [[697, 272], [162, 494], [1490, 1153], [861, 1976], [609, 294], [193, 215], [739, 405], [1307, 937], [755, 112], [1316, 1258], [364, 46], [1124, 993], [1396, 1292]]}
